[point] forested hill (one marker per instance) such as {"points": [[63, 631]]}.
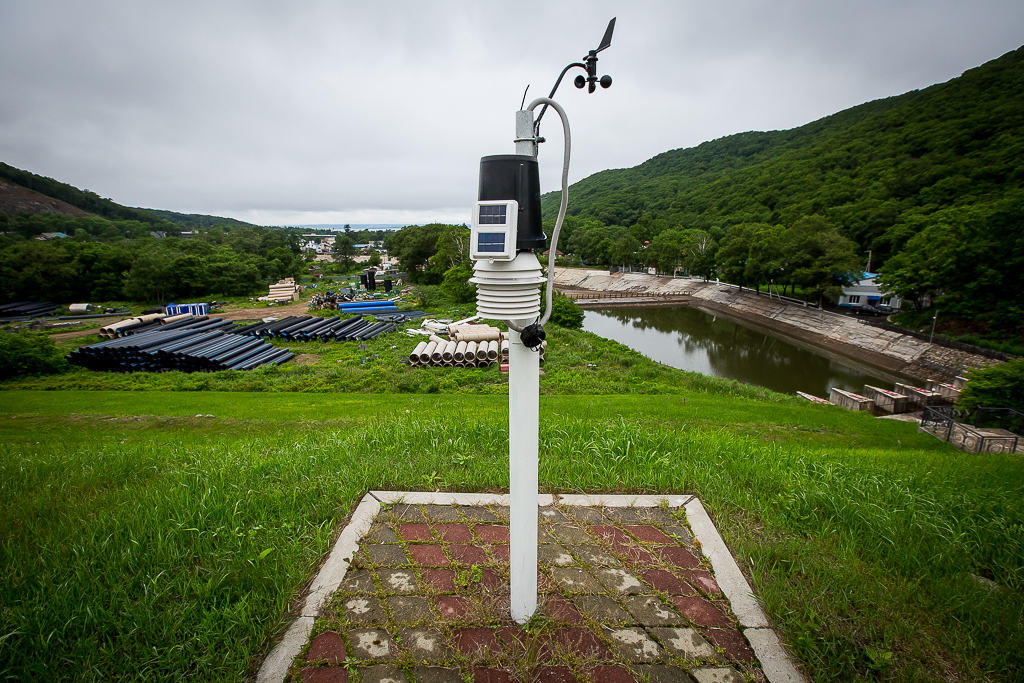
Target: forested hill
{"points": [[91, 203], [881, 172]]}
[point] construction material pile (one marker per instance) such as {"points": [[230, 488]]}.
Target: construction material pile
{"points": [[284, 290], [152, 321], [27, 309], [200, 346], [467, 346], [315, 328]]}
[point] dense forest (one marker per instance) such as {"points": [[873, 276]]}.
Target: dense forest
{"points": [[929, 181], [120, 253]]}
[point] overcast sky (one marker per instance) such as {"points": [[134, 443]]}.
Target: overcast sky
{"points": [[364, 112]]}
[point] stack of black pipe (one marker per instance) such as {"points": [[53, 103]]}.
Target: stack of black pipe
{"points": [[201, 346], [315, 328], [27, 309], [151, 325]]}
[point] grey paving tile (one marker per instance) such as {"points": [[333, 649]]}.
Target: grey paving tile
{"points": [[650, 611], [478, 513], [435, 674], [362, 609], [718, 674], [662, 673], [382, 673], [679, 532], [408, 513], [544, 536], [425, 644], [633, 644], [386, 555], [442, 513], [593, 555], [685, 643], [554, 555], [373, 644], [398, 580], [575, 580], [627, 515], [603, 609], [588, 515], [620, 581], [358, 582], [381, 533], [410, 609], [571, 533], [551, 516]]}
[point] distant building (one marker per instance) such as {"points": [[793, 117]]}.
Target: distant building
{"points": [[866, 291], [46, 236], [157, 234]]}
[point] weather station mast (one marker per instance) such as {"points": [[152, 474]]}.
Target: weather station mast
{"points": [[506, 232]]}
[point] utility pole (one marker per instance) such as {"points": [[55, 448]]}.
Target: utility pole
{"points": [[934, 318]]}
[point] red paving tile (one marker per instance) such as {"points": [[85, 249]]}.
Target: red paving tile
{"points": [[667, 582], [581, 640], [650, 534], [554, 674], [326, 647], [611, 674], [428, 555], [500, 552], [454, 533], [415, 532], [634, 554], [562, 611], [701, 612], [730, 640], [440, 579], [324, 674], [611, 534], [516, 641], [468, 554], [491, 533], [680, 557], [481, 675], [476, 642], [703, 581], [452, 606]]}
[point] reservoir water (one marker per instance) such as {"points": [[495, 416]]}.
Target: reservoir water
{"points": [[688, 338]]}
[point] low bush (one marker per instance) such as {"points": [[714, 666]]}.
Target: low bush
{"points": [[29, 354]]}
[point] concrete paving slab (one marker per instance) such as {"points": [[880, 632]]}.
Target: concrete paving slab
{"points": [[434, 565], [382, 673], [685, 643]]}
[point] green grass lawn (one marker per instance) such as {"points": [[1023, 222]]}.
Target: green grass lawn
{"points": [[139, 541]]}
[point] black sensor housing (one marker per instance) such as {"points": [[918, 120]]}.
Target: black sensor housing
{"points": [[517, 177]]}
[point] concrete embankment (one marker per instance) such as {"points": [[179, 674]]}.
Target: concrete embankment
{"points": [[887, 350]]}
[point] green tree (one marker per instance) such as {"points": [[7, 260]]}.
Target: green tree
{"points": [[819, 258], [413, 246], [456, 284]]}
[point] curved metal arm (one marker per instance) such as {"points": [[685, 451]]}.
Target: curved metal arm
{"points": [[536, 124]]}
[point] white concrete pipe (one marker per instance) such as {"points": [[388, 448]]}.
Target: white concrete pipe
{"points": [[414, 357], [449, 352], [427, 355], [460, 351], [492, 350], [175, 318], [437, 354], [435, 338], [471, 351]]}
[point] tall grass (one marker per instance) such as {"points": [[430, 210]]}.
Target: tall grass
{"points": [[138, 543]]}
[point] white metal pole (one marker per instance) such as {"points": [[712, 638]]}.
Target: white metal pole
{"points": [[523, 420]]}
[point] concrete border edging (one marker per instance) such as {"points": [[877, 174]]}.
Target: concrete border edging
{"points": [[777, 666]]}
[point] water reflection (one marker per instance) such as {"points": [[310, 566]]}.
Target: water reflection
{"points": [[690, 339]]}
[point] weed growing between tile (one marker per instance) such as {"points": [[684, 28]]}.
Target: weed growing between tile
{"points": [[625, 596]]}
